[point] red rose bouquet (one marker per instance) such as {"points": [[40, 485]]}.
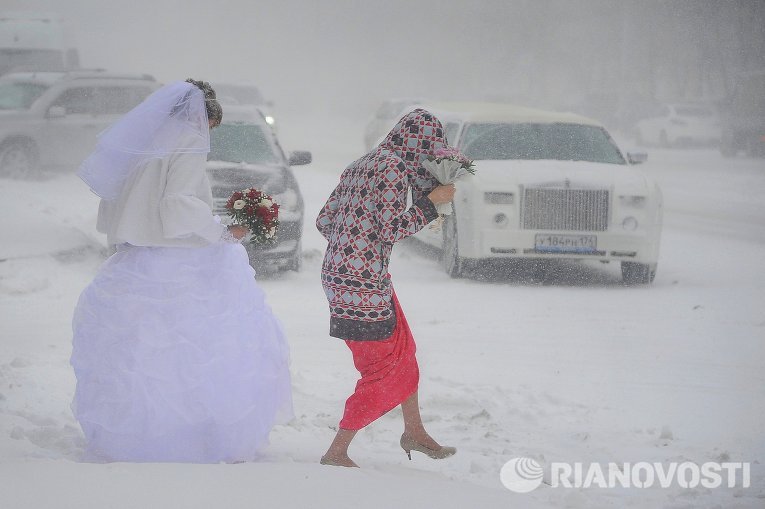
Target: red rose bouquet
{"points": [[257, 211]]}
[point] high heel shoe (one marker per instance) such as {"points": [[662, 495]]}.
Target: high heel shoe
{"points": [[409, 444], [335, 463]]}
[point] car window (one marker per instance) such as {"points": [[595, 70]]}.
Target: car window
{"points": [[19, 96], [562, 142], [241, 143], [77, 100], [116, 100]]}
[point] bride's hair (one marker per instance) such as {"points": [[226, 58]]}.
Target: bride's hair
{"points": [[213, 107]]}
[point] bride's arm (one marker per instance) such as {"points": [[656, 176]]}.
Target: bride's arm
{"points": [[182, 209]]}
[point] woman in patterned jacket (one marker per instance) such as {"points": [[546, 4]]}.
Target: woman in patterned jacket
{"points": [[364, 216]]}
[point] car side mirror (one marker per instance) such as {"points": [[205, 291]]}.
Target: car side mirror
{"points": [[637, 157], [56, 112], [299, 157]]}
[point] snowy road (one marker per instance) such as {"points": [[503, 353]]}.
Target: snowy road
{"points": [[575, 368]]}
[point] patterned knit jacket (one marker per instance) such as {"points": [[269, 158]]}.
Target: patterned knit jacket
{"points": [[365, 215]]}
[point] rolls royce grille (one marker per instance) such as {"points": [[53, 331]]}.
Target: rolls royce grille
{"points": [[565, 209]]}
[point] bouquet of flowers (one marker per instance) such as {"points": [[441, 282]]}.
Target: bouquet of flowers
{"points": [[448, 165], [257, 211]]}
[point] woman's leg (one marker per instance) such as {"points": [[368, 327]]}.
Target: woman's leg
{"points": [[413, 426], [338, 449]]}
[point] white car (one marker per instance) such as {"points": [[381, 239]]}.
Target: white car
{"points": [[547, 186], [680, 124], [51, 120]]}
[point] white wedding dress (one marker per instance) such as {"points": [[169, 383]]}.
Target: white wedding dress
{"points": [[178, 357]]}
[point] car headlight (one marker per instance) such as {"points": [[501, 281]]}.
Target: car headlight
{"points": [[635, 201], [270, 120], [499, 198]]}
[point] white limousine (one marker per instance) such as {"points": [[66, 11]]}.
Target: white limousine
{"points": [[547, 185]]}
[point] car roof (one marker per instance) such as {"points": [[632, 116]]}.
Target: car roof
{"points": [[51, 77], [234, 84], [502, 112], [226, 92]]}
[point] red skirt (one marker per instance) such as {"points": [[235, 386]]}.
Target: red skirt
{"points": [[389, 374]]}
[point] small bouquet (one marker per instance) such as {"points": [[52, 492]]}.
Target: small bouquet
{"points": [[448, 165], [257, 211]]}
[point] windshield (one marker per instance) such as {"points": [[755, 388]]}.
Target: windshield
{"points": [[241, 143], [562, 142], [19, 96]]}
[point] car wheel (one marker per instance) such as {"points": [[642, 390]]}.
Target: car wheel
{"points": [[452, 263], [17, 160], [637, 273]]}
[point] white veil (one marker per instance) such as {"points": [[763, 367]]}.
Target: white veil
{"points": [[172, 119]]}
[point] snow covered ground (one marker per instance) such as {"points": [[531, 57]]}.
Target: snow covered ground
{"points": [[574, 368]]}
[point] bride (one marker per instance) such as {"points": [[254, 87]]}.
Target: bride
{"points": [[177, 355]]}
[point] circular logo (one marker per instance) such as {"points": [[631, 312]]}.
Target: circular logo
{"points": [[521, 475]]}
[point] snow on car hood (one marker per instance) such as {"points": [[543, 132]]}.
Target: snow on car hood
{"points": [[508, 174]]}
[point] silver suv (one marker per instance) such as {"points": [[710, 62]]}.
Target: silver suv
{"points": [[50, 120]]}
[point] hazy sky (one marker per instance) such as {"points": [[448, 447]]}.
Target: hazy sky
{"points": [[334, 51], [342, 57]]}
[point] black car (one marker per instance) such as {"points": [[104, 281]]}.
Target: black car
{"points": [[244, 153]]}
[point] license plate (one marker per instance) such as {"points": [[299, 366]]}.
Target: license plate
{"points": [[566, 243]]}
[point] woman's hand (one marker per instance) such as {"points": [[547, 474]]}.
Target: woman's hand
{"points": [[238, 231], [442, 194]]}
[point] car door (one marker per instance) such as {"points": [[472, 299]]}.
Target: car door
{"points": [[70, 128]]}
